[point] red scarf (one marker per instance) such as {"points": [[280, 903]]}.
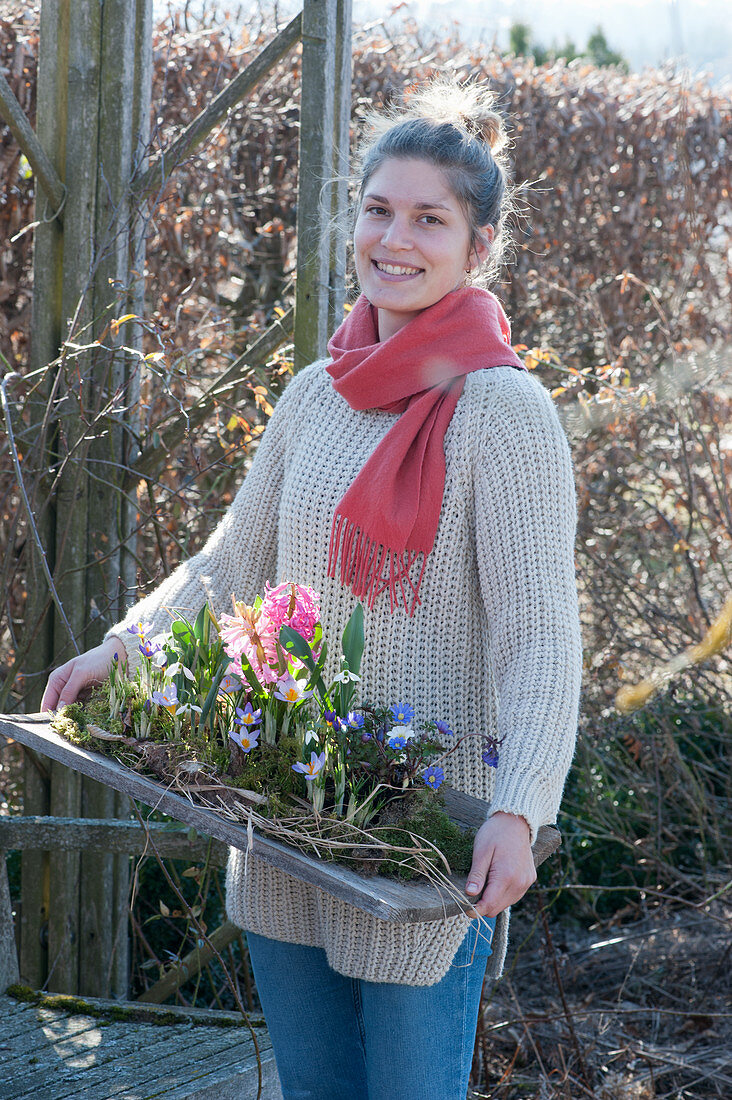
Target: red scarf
{"points": [[389, 515]]}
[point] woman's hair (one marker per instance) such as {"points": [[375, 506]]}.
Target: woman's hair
{"points": [[456, 127]]}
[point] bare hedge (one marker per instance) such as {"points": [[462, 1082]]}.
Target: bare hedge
{"points": [[620, 276]]}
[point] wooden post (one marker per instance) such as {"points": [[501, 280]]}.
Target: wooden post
{"points": [[340, 213], [94, 85], [8, 952], [325, 105], [44, 347]]}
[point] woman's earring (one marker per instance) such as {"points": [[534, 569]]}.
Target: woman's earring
{"points": [[468, 278]]}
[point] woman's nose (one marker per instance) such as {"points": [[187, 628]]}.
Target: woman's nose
{"points": [[396, 235]]}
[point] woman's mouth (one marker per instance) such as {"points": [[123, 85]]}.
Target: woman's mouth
{"points": [[396, 272]]}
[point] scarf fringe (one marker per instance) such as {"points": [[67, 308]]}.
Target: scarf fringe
{"points": [[368, 568]]}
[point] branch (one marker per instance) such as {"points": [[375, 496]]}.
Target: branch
{"points": [[228, 97], [12, 376], [25, 136], [254, 356]]}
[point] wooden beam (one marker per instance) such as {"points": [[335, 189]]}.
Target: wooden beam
{"points": [[339, 211], [21, 129], [8, 951], [19, 833], [191, 965], [315, 174], [236, 89]]}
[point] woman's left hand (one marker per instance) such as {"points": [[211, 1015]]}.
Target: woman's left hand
{"points": [[502, 856]]}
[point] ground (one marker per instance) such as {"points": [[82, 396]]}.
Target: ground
{"points": [[639, 1011]]}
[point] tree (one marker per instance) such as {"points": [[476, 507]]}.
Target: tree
{"points": [[521, 44], [600, 53], [519, 39]]}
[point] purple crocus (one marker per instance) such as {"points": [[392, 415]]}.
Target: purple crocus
{"points": [[140, 629], [167, 698], [246, 741], [331, 719], [247, 716], [317, 763]]}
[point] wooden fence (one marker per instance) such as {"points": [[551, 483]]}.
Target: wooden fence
{"points": [[96, 185]]}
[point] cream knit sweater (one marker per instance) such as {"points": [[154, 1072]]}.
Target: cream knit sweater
{"points": [[493, 647]]}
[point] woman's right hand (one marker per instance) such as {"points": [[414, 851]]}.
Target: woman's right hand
{"points": [[67, 682]]}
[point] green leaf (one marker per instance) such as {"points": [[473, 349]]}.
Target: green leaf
{"points": [[211, 697], [353, 640], [295, 644], [251, 677], [201, 625], [182, 631]]}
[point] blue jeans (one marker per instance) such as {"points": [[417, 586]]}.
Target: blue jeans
{"points": [[337, 1038]]}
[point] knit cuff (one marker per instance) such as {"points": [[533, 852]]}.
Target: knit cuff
{"points": [[130, 644], [527, 795]]}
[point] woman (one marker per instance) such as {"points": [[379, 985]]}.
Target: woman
{"points": [[422, 470]]}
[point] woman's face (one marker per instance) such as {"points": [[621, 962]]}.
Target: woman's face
{"points": [[411, 241]]}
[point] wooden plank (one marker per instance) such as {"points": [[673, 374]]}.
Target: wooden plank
{"points": [[63, 879], [340, 169], [100, 834], [385, 898], [51, 92], [85, 1057], [8, 951], [34, 1043], [34, 878], [97, 919]]}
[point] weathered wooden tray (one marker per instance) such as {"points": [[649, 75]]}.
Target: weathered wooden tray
{"points": [[388, 899]]}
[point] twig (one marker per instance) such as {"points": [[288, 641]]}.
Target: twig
{"points": [[567, 1014], [11, 377]]}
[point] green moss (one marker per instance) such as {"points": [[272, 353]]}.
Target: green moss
{"points": [[270, 769], [122, 1013], [69, 728], [424, 815], [22, 993]]}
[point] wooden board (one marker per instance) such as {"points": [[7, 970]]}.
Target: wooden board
{"points": [[55, 1054], [402, 903]]}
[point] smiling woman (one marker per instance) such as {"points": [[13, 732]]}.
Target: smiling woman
{"points": [[422, 470], [412, 241]]}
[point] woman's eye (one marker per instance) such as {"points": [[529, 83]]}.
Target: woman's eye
{"points": [[432, 219], [376, 210]]}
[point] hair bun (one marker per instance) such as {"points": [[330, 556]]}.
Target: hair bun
{"points": [[469, 105]]}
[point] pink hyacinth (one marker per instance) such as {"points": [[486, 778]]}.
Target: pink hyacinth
{"points": [[293, 605], [254, 633], [246, 634]]}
